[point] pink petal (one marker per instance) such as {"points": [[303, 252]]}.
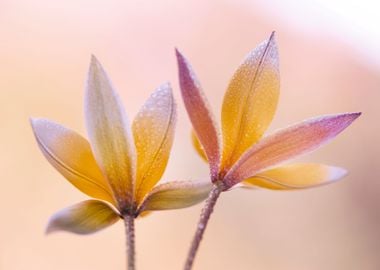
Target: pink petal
{"points": [[288, 143], [200, 113]]}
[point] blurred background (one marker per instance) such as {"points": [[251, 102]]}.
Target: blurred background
{"points": [[330, 63]]}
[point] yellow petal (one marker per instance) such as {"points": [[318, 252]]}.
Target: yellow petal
{"points": [[144, 214], [83, 218], [198, 147], [71, 155], [200, 114], [288, 143], [153, 130], [250, 101], [108, 131], [296, 176], [174, 195]]}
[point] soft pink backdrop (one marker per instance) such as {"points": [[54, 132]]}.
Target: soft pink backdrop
{"points": [[45, 48]]}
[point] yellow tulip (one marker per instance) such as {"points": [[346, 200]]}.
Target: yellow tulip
{"points": [[242, 156], [118, 167]]}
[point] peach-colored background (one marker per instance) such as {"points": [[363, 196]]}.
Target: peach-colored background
{"points": [[44, 55]]}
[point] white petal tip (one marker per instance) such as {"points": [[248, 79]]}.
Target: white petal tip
{"points": [[36, 120], [37, 123], [338, 173], [165, 87], [33, 121]]}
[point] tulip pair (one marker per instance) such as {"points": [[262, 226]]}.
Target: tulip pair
{"points": [[121, 170]]}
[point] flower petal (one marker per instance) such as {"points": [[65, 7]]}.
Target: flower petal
{"points": [[71, 155], [198, 147], [296, 176], [200, 113], [174, 195], [288, 143], [144, 214], [250, 101], [83, 218], [153, 130], [108, 131]]}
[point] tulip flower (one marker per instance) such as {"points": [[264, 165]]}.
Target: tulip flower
{"points": [[118, 167], [242, 157]]}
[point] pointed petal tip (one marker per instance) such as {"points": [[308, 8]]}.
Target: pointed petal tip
{"points": [[36, 122], [93, 60], [33, 121], [166, 87], [177, 52], [339, 173], [166, 83], [271, 41], [355, 114], [181, 60], [348, 117], [49, 230], [95, 65]]}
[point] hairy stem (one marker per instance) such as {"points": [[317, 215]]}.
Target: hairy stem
{"points": [[203, 220], [129, 221]]}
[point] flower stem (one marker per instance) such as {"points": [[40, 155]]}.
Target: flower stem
{"points": [[129, 221], [203, 220]]}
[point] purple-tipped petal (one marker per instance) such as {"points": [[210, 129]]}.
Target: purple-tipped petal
{"points": [[200, 113], [288, 143]]}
